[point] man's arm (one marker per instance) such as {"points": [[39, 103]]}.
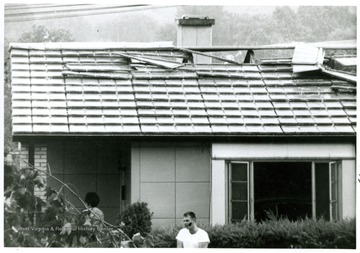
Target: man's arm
{"points": [[180, 244], [203, 244]]}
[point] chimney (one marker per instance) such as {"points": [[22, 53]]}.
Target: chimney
{"points": [[195, 31]]}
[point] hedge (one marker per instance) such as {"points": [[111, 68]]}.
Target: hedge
{"points": [[282, 233]]}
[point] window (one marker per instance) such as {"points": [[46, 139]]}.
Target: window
{"points": [[294, 189], [239, 191]]}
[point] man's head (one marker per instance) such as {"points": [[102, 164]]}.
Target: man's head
{"points": [[189, 219], [92, 199]]}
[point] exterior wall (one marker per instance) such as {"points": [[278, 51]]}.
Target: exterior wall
{"points": [[172, 179], [348, 189], [86, 166], [221, 153], [24, 155], [40, 162]]}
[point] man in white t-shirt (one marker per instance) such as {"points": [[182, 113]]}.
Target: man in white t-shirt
{"points": [[192, 236]]}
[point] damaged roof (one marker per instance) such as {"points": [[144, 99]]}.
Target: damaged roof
{"points": [[116, 89]]}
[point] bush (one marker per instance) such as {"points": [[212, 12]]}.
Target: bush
{"points": [[136, 218], [280, 233], [164, 237], [50, 221]]}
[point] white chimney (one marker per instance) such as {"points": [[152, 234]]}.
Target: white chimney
{"points": [[195, 31]]}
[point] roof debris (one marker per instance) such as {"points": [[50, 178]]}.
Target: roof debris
{"points": [[63, 90]]}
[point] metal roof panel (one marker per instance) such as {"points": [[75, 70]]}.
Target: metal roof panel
{"points": [[269, 99]]}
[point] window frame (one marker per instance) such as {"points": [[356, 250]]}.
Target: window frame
{"points": [[228, 189], [251, 183]]}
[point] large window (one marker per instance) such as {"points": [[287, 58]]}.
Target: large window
{"points": [[285, 189]]}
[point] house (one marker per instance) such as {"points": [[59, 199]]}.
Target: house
{"points": [[228, 140]]}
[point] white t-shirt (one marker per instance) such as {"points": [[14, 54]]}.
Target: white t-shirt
{"points": [[192, 240]]}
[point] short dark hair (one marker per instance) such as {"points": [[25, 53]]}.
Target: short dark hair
{"points": [[92, 199], [191, 214]]}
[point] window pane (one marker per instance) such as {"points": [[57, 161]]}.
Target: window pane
{"points": [[334, 211], [239, 171], [283, 188], [333, 172], [334, 191], [239, 210], [322, 190], [239, 191]]}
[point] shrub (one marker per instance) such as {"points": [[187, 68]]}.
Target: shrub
{"points": [[164, 237], [136, 218], [51, 221], [281, 233]]}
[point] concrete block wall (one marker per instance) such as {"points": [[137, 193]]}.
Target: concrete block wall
{"points": [[24, 155], [40, 163]]}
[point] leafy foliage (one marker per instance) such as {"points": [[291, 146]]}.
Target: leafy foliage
{"points": [[136, 218], [49, 221], [42, 34], [275, 233]]}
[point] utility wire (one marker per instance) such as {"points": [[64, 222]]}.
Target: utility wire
{"points": [[86, 11]]}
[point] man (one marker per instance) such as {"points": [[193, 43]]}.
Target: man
{"points": [[192, 236]]}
